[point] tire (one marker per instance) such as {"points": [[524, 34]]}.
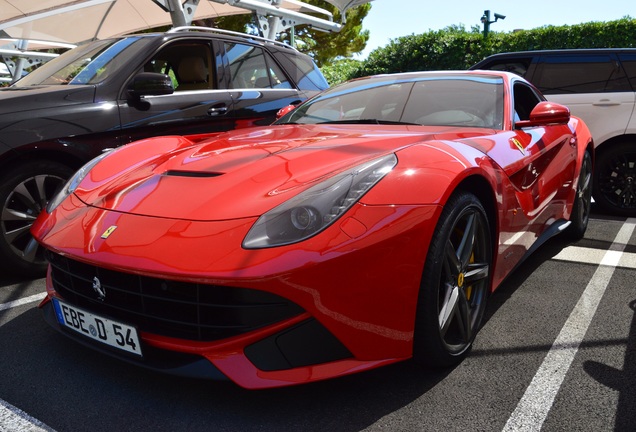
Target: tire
{"points": [[615, 173], [455, 284], [582, 201], [24, 192]]}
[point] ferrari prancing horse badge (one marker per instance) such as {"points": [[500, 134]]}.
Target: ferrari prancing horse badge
{"points": [[109, 231]]}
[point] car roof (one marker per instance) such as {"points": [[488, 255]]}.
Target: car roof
{"points": [[209, 32], [443, 73], [563, 51]]}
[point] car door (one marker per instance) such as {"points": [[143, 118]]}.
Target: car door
{"points": [[198, 104], [540, 162], [628, 61], [594, 86], [259, 87]]}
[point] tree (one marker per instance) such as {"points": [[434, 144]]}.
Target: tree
{"points": [[323, 47]]}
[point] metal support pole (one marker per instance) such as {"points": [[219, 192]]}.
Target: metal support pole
{"points": [[23, 44], [176, 13], [485, 19], [180, 14]]}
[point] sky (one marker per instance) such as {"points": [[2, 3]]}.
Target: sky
{"points": [[390, 19]]}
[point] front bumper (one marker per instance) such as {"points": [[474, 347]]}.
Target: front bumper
{"points": [[355, 287], [295, 351]]}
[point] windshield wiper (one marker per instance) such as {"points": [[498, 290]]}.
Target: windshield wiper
{"points": [[369, 121]]}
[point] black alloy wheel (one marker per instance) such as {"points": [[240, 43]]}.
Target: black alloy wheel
{"points": [[615, 186], [455, 283], [24, 193]]}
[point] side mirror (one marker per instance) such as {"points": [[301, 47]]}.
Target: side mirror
{"points": [[285, 110], [150, 84], [546, 114]]}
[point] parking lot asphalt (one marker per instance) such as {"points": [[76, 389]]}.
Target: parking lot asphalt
{"points": [[557, 352]]}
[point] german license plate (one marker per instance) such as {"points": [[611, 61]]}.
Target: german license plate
{"points": [[98, 328]]}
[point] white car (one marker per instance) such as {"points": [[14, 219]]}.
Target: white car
{"points": [[598, 86]]}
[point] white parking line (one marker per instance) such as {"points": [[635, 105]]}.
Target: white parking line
{"points": [[534, 406], [20, 302], [596, 256], [13, 419]]}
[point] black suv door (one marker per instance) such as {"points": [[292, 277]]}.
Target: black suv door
{"points": [[259, 85], [198, 104]]}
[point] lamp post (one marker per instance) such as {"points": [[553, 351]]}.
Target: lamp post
{"points": [[485, 19]]}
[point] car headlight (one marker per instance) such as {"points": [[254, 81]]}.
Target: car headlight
{"points": [[318, 207], [73, 183]]}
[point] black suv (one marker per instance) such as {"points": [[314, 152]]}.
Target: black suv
{"points": [[599, 86], [108, 93]]}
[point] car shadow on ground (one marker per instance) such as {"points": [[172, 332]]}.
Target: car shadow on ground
{"points": [[8, 279], [545, 252], [621, 380], [66, 379], [13, 288]]}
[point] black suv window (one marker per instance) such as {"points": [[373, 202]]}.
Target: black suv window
{"points": [[189, 66], [518, 66], [303, 70], [563, 74], [90, 64], [250, 68], [629, 64]]}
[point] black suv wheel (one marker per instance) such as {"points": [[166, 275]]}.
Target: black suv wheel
{"points": [[24, 192], [615, 187]]}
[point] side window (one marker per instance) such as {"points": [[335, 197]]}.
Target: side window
{"points": [[525, 99], [302, 70], [629, 65], [517, 66], [189, 66], [567, 74], [276, 75], [251, 67]]}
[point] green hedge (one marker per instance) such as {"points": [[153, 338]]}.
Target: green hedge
{"points": [[455, 48]]}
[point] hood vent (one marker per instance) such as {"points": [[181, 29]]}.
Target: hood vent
{"points": [[178, 173]]}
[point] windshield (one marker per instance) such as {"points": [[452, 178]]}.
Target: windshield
{"points": [[86, 64], [443, 100]]}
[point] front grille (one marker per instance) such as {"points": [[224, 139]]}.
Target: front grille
{"points": [[166, 307]]}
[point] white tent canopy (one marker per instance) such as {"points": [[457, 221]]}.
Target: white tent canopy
{"points": [[79, 21], [75, 21], [344, 5]]}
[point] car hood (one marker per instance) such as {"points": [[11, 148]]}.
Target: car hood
{"points": [[17, 99], [241, 173]]}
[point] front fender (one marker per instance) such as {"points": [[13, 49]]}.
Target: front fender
{"points": [[428, 173]]}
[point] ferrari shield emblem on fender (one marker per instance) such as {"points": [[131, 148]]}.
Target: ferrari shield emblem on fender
{"points": [[517, 143], [109, 231]]}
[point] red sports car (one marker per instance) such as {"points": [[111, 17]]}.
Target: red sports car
{"points": [[367, 226]]}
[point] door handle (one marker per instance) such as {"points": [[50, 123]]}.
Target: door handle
{"points": [[606, 103], [217, 110]]}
